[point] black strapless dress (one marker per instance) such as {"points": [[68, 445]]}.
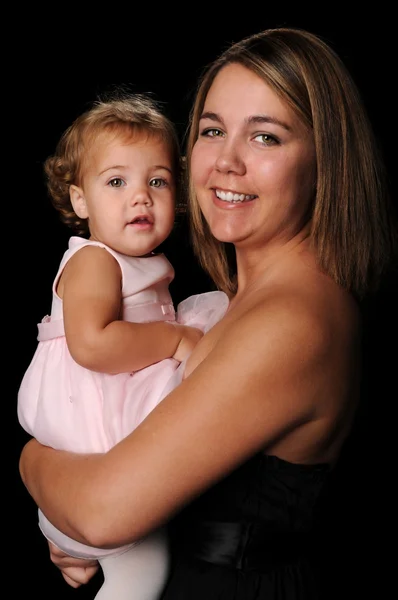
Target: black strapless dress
{"points": [[250, 537]]}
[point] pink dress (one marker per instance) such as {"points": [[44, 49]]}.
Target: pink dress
{"points": [[68, 407]]}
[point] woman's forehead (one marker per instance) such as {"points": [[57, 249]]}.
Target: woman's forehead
{"points": [[240, 94]]}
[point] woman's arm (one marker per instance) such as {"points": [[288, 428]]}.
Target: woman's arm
{"points": [[97, 339], [262, 379]]}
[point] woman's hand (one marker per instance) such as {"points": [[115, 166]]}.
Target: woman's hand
{"points": [[75, 571]]}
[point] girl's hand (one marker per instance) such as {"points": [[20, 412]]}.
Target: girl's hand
{"points": [[75, 571], [190, 336]]}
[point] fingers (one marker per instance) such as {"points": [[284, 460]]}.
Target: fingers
{"points": [[77, 576], [75, 571], [70, 581]]}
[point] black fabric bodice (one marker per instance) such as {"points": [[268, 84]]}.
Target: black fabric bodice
{"points": [[250, 536]]}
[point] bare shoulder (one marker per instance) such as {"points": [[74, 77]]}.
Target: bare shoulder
{"points": [[300, 314], [304, 316], [305, 339], [90, 255], [289, 352], [90, 264]]}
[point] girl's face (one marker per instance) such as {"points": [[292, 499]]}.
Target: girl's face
{"points": [[127, 193], [253, 165]]}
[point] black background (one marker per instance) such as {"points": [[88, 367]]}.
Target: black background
{"points": [[64, 62]]}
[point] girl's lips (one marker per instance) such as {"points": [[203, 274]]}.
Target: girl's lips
{"points": [[141, 220], [141, 223]]}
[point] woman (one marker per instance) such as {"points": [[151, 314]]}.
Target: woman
{"points": [[282, 170]]}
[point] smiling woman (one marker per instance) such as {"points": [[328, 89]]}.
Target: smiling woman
{"points": [[249, 137], [242, 449]]}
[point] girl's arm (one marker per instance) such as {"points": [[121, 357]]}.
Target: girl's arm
{"points": [[263, 379], [97, 339]]}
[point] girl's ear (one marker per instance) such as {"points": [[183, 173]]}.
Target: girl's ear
{"points": [[78, 201]]}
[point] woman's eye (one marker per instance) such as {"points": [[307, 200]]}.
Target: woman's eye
{"points": [[212, 133], [116, 182], [266, 139], [158, 182]]}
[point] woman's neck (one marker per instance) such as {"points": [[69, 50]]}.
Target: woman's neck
{"points": [[256, 265]]}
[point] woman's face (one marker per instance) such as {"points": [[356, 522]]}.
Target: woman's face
{"points": [[253, 165]]}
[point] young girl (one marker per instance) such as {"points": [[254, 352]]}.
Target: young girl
{"points": [[113, 343]]}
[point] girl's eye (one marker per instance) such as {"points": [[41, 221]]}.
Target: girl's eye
{"points": [[211, 132], [266, 139], [116, 182], [158, 182]]}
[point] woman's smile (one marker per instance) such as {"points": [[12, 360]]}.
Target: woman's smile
{"points": [[233, 197], [255, 157]]}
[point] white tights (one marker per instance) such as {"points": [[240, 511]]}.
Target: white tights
{"points": [[136, 572], [139, 573]]}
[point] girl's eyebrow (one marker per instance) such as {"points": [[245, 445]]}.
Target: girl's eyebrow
{"points": [[124, 167], [212, 116]]}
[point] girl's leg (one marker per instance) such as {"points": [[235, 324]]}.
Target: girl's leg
{"points": [[139, 573]]}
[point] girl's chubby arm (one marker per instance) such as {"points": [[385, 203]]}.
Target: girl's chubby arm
{"points": [[97, 339], [261, 380]]}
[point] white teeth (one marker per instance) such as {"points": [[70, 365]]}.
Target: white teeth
{"points": [[230, 197]]}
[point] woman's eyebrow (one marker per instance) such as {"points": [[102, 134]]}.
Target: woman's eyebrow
{"points": [[254, 119], [212, 116], [267, 119]]}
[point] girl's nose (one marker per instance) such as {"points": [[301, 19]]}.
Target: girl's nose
{"points": [[142, 197]]}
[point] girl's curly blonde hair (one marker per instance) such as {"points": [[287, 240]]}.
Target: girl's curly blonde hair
{"points": [[121, 114]]}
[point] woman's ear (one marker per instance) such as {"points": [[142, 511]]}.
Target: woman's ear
{"points": [[78, 201]]}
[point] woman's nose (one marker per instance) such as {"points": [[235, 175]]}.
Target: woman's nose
{"points": [[230, 159]]}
